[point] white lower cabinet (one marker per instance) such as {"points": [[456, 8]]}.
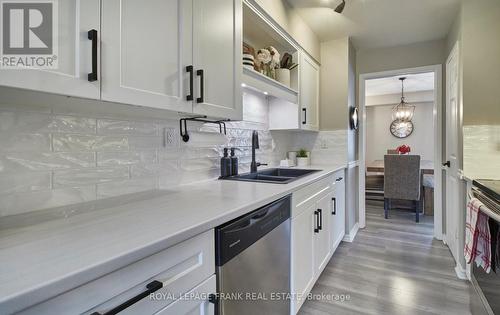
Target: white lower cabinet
{"points": [[311, 237], [322, 235], [195, 302], [168, 275], [338, 210], [302, 267], [318, 220]]}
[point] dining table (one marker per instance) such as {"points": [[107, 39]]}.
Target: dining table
{"points": [[426, 166]]}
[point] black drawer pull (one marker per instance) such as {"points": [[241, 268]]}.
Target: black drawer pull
{"points": [[305, 116], [201, 74], [339, 179], [320, 214], [189, 69], [316, 221], [92, 35], [151, 287], [334, 211]]}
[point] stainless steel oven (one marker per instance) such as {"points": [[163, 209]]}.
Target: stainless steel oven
{"points": [[488, 284]]}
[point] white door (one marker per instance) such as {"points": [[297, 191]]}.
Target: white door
{"points": [[146, 47], [453, 211], [196, 301], [323, 238], [75, 58], [338, 212], [217, 58], [303, 238], [309, 93]]}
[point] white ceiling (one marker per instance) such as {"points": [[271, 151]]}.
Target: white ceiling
{"points": [[379, 23], [392, 85]]}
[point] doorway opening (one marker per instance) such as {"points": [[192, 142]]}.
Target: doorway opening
{"points": [[383, 134]]}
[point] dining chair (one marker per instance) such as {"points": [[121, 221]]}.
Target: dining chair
{"points": [[403, 181]]}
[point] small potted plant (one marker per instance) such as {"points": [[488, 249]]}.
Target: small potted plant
{"points": [[303, 158]]}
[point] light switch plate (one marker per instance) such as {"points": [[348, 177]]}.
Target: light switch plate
{"points": [[324, 144]]}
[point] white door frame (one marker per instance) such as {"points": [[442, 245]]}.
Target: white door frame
{"points": [[438, 129]]}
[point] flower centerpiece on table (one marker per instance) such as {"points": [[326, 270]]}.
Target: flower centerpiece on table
{"points": [[403, 149]]}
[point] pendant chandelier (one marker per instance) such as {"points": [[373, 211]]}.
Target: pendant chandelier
{"points": [[403, 111]]}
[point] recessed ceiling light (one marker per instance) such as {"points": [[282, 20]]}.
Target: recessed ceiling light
{"points": [[243, 85], [265, 93]]}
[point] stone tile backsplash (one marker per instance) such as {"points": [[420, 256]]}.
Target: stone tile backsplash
{"points": [[50, 159], [482, 151]]}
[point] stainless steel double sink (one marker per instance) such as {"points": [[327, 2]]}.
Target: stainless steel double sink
{"points": [[273, 175]]}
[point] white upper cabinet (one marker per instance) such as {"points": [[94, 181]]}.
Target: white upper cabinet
{"points": [[286, 115], [180, 55], [76, 55], [309, 93], [146, 47], [217, 58]]}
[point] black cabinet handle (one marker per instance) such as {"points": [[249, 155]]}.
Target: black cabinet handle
{"points": [[201, 99], [190, 70], [151, 287], [92, 35], [334, 211], [212, 298], [339, 179], [320, 215], [448, 163], [316, 222], [305, 116]]}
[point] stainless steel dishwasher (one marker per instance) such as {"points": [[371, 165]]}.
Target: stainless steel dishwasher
{"points": [[253, 262]]}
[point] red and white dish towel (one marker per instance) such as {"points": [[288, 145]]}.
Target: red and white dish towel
{"points": [[477, 236]]}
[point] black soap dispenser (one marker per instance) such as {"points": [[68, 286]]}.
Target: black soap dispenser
{"points": [[234, 163], [225, 165]]}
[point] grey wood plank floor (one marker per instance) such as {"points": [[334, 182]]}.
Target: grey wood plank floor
{"points": [[393, 266]]}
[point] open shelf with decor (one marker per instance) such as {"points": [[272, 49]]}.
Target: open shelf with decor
{"points": [[270, 59]]}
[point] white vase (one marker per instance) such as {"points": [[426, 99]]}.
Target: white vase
{"points": [[303, 161], [283, 76], [292, 156]]}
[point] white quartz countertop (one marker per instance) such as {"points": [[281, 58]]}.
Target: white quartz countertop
{"points": [[42, 260]]}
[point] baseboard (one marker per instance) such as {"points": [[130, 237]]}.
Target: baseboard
{"points": [[440, 237], [349, 237], [461, 273]]}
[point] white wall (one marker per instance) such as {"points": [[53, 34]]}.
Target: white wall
{"points": [[379, 138], [401, 57], [481, 62], [334, 89]]}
